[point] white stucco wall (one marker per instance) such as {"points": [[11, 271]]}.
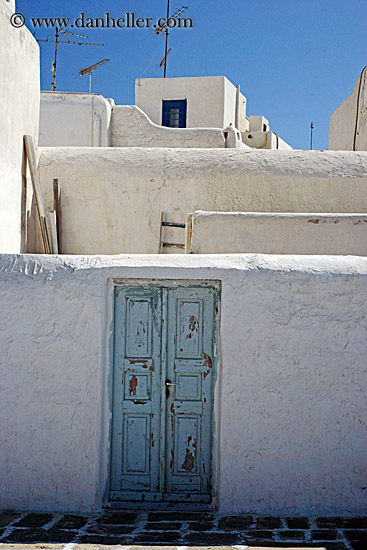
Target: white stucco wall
{"points": [[211, 100], [230, 106], [131, 127], [112, 198], [258, 123], [19, 112], [11, 4], [350, 117], [269, 233], [290, 431], [73, 119], [264, 140]]}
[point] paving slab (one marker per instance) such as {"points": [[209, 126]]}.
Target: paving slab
{"points": [[115, 529], [69, 521], [8, 517], [268, 523], [235, 522], [343, 522], [291, 535], [167, 526], [201, 526], [297, 523], [39, 535], [31, 520], [118, 517]]}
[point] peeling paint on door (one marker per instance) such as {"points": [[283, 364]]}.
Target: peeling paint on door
{"points": [[162, 421], [132, 385]]}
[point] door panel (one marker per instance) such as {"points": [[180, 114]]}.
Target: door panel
{"points": [[189, 319], [163, 387], [189, 400], [136, 450], [138, 326], [136, 397]]}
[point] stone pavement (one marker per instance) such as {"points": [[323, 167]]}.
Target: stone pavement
{"points": [[134, 530]]}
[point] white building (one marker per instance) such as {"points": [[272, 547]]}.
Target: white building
{"points": [[204, 112], [232, 381], [202, 102], [82, 120], [348, 123]]}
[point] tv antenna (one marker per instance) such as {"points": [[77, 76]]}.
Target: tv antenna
{"points": [[164, 28], [161, 64], [61, 33], [89, 70]]}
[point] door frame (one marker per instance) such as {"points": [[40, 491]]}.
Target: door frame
{"points": [[106, 460]]}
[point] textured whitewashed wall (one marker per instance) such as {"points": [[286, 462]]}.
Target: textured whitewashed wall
{"points": [[349, 119], [264, 140], [112, 198], [19, 112], [265, 233], [291, 408], [11, 4], [211, 100], [73, 119], [230, 105], [131, 127]]}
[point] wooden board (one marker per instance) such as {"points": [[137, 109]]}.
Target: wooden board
{"points": [[29, 146], [57, 208]]}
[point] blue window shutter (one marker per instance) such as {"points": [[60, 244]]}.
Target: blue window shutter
{"points": [[174, 113]]}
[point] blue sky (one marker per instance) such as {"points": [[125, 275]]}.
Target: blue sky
{"points": [[294, 60]]}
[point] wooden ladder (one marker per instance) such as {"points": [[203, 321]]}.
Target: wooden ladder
{"points": [[163, 244]]}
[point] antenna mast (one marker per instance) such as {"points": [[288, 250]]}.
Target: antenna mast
{"points": [[166, 48], [311, 126], [62, 33], [164, 28]]}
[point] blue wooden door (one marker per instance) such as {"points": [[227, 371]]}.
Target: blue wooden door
{"points": [[136, 396], [189, 404], [164, 369]]}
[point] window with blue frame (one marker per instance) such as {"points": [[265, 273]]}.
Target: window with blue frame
{"points": [[174, 113]]}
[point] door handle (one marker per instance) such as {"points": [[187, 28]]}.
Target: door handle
{"points": [[168, 383]]}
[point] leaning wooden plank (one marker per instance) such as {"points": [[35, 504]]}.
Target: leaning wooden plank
{"points": [[28, 142], [160, 234], [53, 229], [46, 235], [57, 208]]}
